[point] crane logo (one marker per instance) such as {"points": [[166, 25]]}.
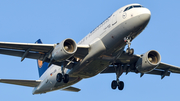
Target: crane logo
{"points": [[40, 63]]}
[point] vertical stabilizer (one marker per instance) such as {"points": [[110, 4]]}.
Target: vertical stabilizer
{"points": [[42, 67]]}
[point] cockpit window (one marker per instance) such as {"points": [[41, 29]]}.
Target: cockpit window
{"points": [[126, 9], [137, 6], [134, 6], [130, 7]]}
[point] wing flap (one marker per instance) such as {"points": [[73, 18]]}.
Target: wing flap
{"points": [[160, 72], [28, 83]]}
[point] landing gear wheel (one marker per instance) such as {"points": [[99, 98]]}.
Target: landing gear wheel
{"points": [[130, 51], [127, 50], [114, 84], [59, 77], [66, 78], [121, 85]]}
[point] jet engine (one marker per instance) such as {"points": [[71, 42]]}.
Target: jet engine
{"points": [[149, 61], [64, 50]]}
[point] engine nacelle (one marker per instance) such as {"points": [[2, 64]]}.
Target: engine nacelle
{"points": [[64, 50], [149, 61]]}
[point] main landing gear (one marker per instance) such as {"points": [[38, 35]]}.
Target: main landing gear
{"points": [[64, 77], [116, 83], [61, 77], [119, 84], [129, 50]]}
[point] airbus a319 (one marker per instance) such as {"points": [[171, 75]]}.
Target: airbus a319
{"points": [[102, 51]]}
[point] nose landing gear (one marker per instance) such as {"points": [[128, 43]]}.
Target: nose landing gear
{"points": [[129, 50]]}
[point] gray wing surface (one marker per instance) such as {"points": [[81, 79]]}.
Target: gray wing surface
{"points": [[28, 83], [36, 51], [26, 50], [73, 89], [162, 69], [171, 68]]}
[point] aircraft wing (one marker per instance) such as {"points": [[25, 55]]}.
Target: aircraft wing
{"points": [[162, 69], [28, 83], [171, 68], [36, 51]]}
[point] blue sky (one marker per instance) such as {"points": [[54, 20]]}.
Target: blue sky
{"points": [[52, 21]]}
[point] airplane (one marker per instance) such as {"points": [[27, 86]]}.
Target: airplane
{"points": [[101, 51]]}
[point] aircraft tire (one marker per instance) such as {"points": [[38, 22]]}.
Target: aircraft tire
{"points": [[66, 78], [131, 51], [114, 84], [128, 50], [59, 77], [121, 85]]}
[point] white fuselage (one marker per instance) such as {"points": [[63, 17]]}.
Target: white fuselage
{"points": [[107, 40]]}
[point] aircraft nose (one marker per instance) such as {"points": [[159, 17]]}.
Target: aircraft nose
{"points": [[146, 15]]}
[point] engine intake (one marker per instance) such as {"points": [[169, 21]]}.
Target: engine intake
{"points": [[149, 61], [64, 50]]}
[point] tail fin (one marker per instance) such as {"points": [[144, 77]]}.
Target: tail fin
{"points": [[42, 67]]}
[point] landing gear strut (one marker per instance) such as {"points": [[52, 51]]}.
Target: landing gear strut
{"points": [[116, 83], [129, 50]]}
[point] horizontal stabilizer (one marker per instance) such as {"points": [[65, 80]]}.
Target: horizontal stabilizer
{"points": [[29, 83], [73, 89]]}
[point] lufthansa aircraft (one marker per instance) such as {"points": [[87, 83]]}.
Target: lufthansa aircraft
{"points": [[101, 51]]}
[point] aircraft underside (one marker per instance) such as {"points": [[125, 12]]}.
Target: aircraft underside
{"points": [[102, 51]]}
